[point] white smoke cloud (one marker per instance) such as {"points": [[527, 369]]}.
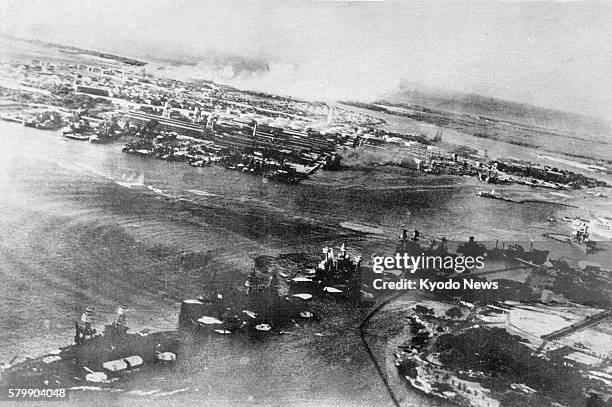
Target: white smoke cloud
{"points": [[324, 80]]}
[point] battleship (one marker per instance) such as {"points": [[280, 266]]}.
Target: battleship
{"points": [[513, 253], [100, 358], [274, 301], [578, 239], [533, 256]]}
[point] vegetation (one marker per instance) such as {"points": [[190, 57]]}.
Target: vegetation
{"points": [[84, 102], [507, 360], [364, 156]]}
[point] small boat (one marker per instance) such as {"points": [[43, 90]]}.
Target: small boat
{"points": [[76, 136], [492, 195], [209, 321], [303, 296], [301, 280], [166, 356], [250, 313], [333, 290]]}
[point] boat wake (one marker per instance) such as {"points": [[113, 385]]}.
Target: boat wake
{"points": [[142, 393], [161, 192], [201, 193], [129, 182], [359, 227]]}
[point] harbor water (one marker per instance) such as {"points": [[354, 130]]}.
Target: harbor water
{"points": [[87, 225]]}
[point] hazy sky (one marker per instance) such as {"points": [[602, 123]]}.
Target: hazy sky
{"points": [[553, 54]]}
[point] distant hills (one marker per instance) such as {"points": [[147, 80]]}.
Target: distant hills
{"points": [[68, 49], [472, 104]]}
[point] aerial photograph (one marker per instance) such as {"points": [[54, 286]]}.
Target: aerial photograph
{"points": [[306, 203]]}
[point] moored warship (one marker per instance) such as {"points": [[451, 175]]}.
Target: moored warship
{"points": [[100, 358]]}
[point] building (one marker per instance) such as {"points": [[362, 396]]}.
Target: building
{"points": [[168, 124]]}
